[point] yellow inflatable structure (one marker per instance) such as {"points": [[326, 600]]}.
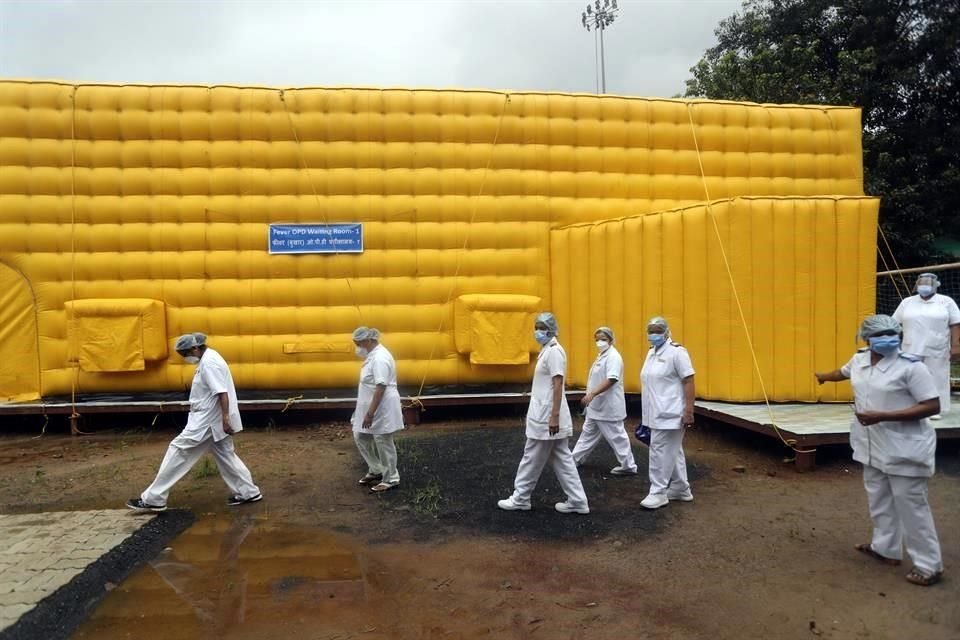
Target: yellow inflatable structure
{"points": [[276, 221]]}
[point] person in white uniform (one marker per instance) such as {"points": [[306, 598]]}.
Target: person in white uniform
{"points": [[931, 331], [667, 403], [549, 426], [378, 414], [606, 407], [894, 393], [213, 419]]}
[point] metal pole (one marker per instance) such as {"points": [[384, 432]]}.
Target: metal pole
{"points": [[603, 69], [596, 62]]}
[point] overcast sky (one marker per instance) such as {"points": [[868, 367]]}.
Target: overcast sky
{"points": [[495, 44]]}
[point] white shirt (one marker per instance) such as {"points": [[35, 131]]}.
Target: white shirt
{"points": [[898, 381], [378, 368], [551, 362], [211, 378], [926, 324], [611, 405], [662, 377]]}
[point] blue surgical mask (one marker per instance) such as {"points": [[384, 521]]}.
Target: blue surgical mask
{"points": [[541, 336], [657, 339], [884, 345], [925, 290]]}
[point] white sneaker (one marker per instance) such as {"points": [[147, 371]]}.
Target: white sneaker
{"points": [[510, 505], [936, 417], [686, 496], [566, 507], [620, 471], [655, 501]]}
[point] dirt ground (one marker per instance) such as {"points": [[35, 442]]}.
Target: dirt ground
{"points": [[763, 552]]}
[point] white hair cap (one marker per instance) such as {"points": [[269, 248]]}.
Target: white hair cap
{"points": [[879, 323], [190, 340], [550, 321], [365, 333], [659, 321], [607, 331]]}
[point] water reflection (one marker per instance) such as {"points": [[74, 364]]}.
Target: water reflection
{"points": [[236, 577]]}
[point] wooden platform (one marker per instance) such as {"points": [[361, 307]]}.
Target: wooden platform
{"points": [[804, 425]]}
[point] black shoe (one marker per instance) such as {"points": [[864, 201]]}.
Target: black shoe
{"points": [[139, 505], [236, 501]]}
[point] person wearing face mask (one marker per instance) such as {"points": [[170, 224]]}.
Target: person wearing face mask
{"points": [[213, 419], [606, 407], [549, 426], [890, 436], [667, 404], [378, 413], [931, 331]]}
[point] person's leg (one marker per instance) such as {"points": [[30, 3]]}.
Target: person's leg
{"points": [[368, 451], [535, 456], [940, 370], [887, 534], [616, 436], [561, 461], [919, 533], [679, 485], [182, 454], [234, 473], [663, 458], [588, 440], [387, 453]]}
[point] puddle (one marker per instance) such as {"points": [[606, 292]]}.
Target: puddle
{"points": [[241, 577]]}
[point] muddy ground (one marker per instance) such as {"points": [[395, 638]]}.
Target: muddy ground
{"points": [[762, 552]]}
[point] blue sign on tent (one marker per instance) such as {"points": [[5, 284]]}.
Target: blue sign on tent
{"points": [[316, 238]]}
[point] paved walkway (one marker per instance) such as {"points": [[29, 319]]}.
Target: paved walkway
{"points": [[41, 552]]}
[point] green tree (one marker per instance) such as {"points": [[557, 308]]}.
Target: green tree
{"points": [[899, 60]]}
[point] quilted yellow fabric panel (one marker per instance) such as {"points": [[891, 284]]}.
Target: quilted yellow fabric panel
{"points": [[167, 193], [802, 270]]}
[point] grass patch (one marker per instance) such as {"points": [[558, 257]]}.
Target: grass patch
{"points": [[205, 469]]}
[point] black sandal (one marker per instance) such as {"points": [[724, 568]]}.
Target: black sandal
{"points": [[922, 579], [867, 549]]}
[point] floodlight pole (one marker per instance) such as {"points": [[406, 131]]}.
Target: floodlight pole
{"points": [[597, 17]]}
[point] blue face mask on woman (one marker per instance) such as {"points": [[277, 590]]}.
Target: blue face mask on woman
{"points": [[884, 345], [541, 336], [925, 290], [656, 339]]}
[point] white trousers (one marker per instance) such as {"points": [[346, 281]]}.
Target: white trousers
{"points": [[668, 465], [613, 432], [939, 368], [183, 453], [536, 454], [901, 514], [380, 454]]}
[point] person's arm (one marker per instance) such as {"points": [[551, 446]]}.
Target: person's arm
{"points": [[955, 341], [374, 405], [224, 400], [918, 411], [555, 410], [588, 398], [689, 397], [830, 376]]}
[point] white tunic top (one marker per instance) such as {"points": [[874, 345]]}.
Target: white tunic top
{"points": [[898, 381], [662, 400], [551, 362], [211, 378], [378, 368], [926, 324], [611, 405]]}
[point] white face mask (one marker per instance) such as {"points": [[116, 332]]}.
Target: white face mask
{"points": [[603, 345], [361, 352], [192, 359]]}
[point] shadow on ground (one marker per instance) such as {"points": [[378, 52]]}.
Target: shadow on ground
{"points": [[453, 481]]}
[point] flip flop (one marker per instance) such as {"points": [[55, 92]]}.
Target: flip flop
{"points": [[370, 478], [383, 486], [867, 549]]}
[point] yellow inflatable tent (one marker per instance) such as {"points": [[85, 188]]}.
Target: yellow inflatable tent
{"points": [[276, 221]]}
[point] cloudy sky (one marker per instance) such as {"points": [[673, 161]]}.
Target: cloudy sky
{"points": [[497, 44]]}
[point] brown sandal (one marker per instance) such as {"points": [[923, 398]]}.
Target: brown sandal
{"points": [[383, 486], [867, 549], [924, 580]]}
